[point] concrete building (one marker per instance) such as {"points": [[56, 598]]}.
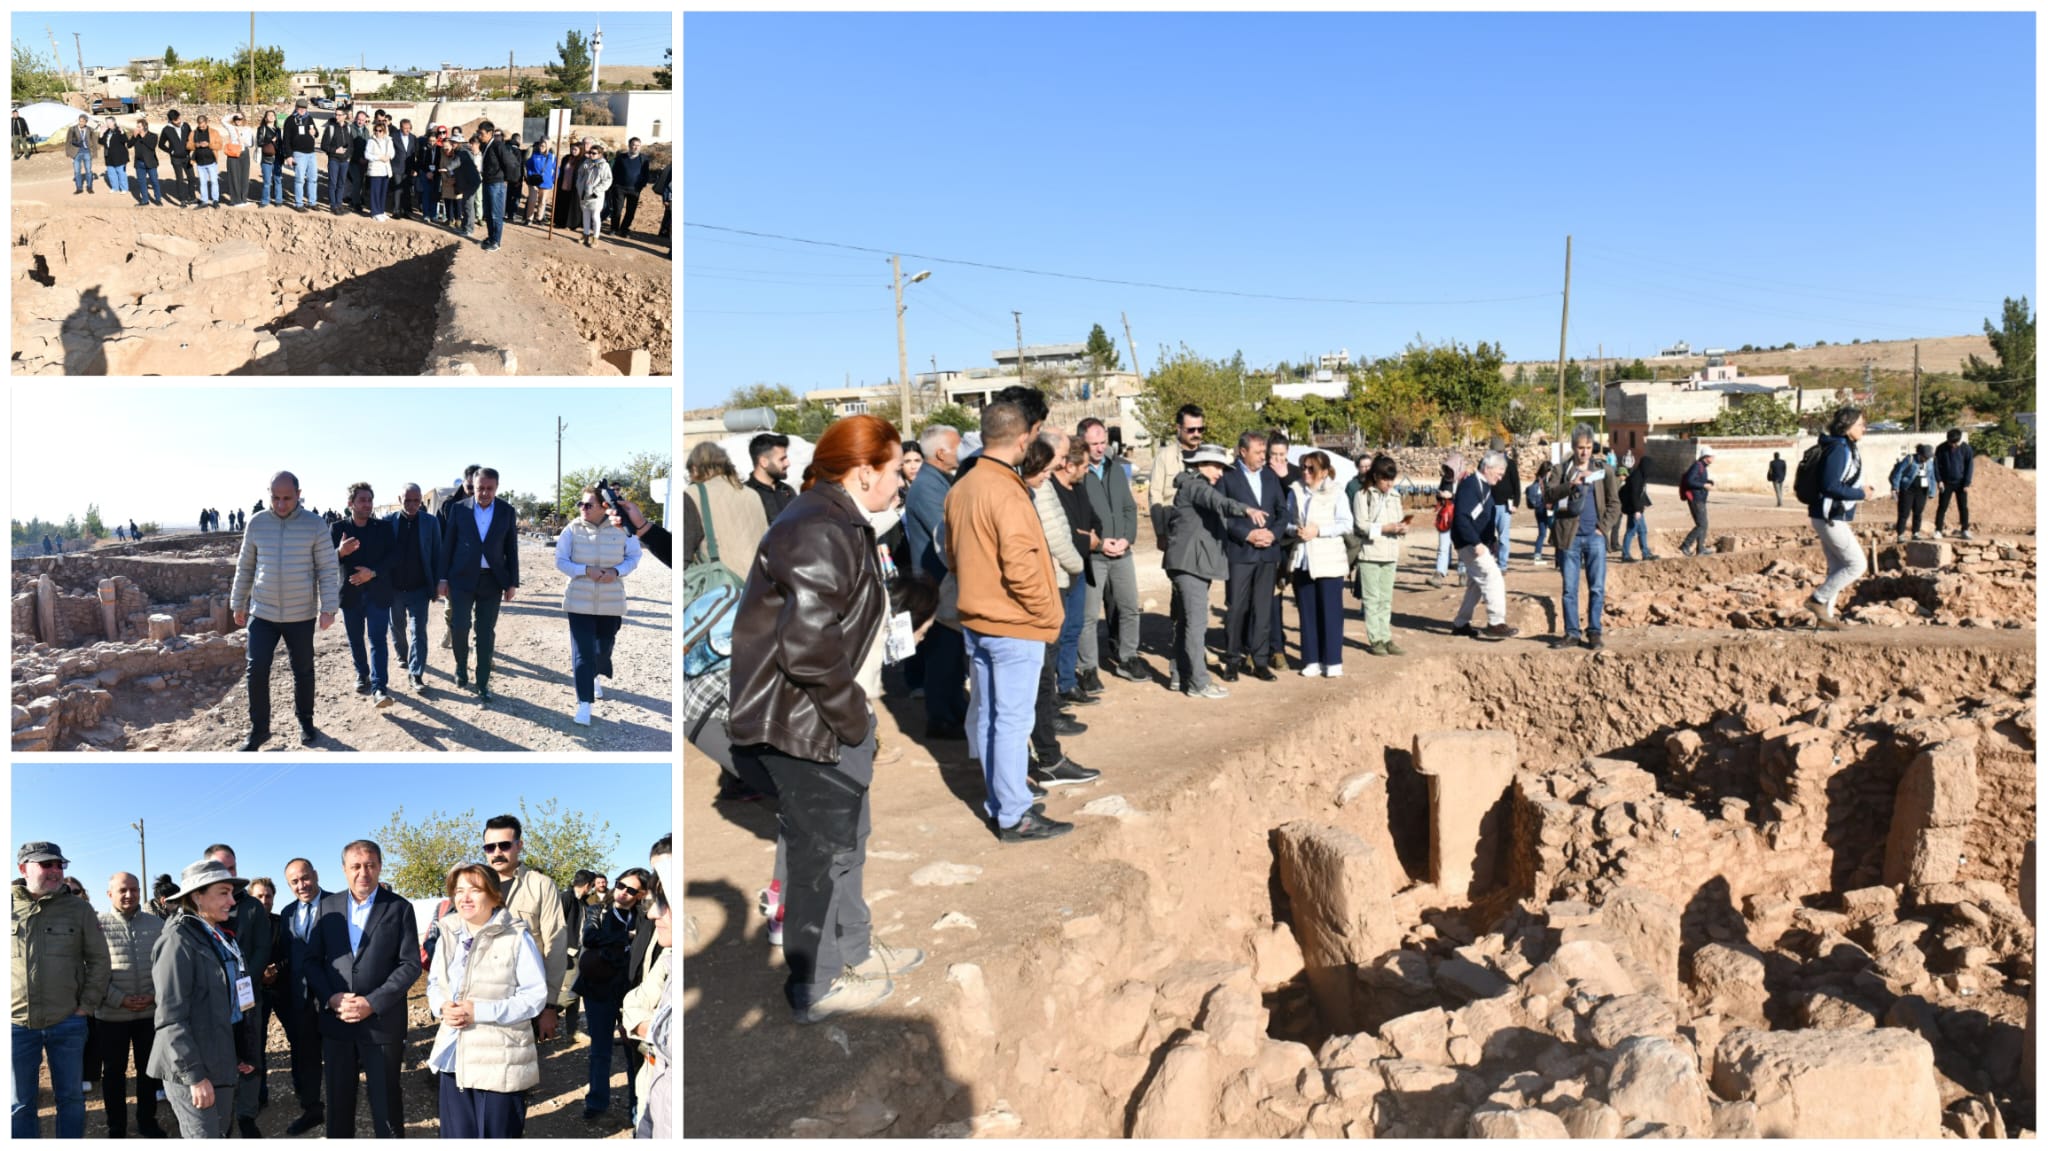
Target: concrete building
{"points": [[146, 69], [1337, 361], [1325, 385], [853, 401], [648, 115], [1053, 357], [1639, 409], [362, 82]]}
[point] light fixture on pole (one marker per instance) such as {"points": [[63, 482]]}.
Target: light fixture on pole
{"points": [[903, 349]]}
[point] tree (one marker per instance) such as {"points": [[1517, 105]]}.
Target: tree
{"points": [[419, 854], [1761, 416], [405, 88], [805, 419], [1633, 370], [559, 842], [93, 525], [33, 79], [595, 112], [170, 57], [2008, 383], [1464, 385], [665, 77], [1941, 405], [529, 506], [1229, 399], [573, 73], [763, 396], [1102, 350], [1388, 403], [954, 416]]}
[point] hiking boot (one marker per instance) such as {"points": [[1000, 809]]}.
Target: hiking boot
{"points": [[1066, 773], [1435, 580], [1465, 631], [1595, 643], [849, 993], [1502, 631], [1278, 662], [1823, 615], [887, 962], [1212, 690], [1388, 647], [1033, 826]]}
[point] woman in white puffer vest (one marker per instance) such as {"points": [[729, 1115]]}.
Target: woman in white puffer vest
{"points": [[595, 555], [487, 983]]}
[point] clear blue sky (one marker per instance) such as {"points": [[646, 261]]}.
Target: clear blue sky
{"points": [[271, 814], [396, 39], [182, 448], [1729, 178]]}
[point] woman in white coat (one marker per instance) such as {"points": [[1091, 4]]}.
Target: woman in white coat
{"points": [[1317, 564]]}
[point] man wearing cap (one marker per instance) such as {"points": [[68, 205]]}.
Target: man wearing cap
{"points": [[301, 140], [61, 971], [1693, 488]]}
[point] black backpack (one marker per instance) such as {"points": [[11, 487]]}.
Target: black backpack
{"points": [[1806, 478]]}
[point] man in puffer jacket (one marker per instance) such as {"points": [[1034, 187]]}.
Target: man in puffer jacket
{"points": [[287, 574]]}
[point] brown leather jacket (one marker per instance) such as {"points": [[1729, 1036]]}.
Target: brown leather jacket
{"points": [[813, 603]]}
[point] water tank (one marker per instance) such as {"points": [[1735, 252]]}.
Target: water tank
{"points": [[750, 420]]}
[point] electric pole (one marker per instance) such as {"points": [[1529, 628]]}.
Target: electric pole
{"points": [[1135, 365], [80, 49], [1600, 375], [560, 427], [1563, 326], [142, 840], [902, 349], [511, 72], [57, 58], [1916, 389], [1019, 317], [252, 57]]}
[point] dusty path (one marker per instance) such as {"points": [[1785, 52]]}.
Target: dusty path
{"points": [[536, 697], [756, 1073]]}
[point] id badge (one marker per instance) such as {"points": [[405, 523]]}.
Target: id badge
{"points": [[901, 642], [245, 994]]}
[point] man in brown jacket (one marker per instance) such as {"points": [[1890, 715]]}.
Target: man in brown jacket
{"points": [[1009, 611]]}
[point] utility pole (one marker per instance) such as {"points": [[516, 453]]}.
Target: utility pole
{"points": [[1135, 365], [560, 427], [79, 47], [511, 72], [1600, 375], [1563, 326], [902, 349], [142, 840], [57, 58], [1916, 389], [1019, 317], [252, 59]]}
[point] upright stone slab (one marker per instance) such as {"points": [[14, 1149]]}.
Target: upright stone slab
{"points": [[1469, 773], [1937, 799], [2027, 905], [1341, 890], [162, 627], [110, 600], [46, 609]]}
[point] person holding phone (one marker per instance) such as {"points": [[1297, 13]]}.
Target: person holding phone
{"points": [[1588, 501], [1376, 510]]}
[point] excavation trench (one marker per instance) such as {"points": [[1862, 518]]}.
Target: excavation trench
{"points": [[1295, 937]]}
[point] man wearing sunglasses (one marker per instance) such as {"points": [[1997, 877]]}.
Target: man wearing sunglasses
{"points": [[58, 938], [533, 898], [1168, 462], [603, 976]]}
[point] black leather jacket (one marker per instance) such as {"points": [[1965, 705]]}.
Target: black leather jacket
{"points": [[813, 603]]}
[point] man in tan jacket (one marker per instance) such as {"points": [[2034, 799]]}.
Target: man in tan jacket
{"points": [[1009, 610], [534, 899]]}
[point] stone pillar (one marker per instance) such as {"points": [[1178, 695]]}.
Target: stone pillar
{"points": [[223, 619], [1341, 889], [1469, 773], [1936, 801], [110, 599], [46, 609], [162, 627]]}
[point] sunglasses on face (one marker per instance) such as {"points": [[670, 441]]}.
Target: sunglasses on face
{"points": [[625, 887], [498, 848], [588, 504]]}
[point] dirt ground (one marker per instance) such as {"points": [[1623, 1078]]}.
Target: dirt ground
{"points": [[535, 694], [757, 1074], [323, 268], [554, 1110]]}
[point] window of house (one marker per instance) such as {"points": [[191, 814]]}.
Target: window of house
{"points": [[656, 133]]}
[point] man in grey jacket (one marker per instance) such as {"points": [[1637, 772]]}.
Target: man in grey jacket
{"points": [[1113, 572], [127, 1017], [287, 574]]}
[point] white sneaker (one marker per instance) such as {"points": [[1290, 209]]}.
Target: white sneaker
{"points": [[597, 688], [1313, 670], [1334, 671], [583, 714]]}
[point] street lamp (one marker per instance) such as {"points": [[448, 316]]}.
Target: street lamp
{"points": [[902, 350]]}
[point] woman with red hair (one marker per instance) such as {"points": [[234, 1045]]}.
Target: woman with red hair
{"points": [[808, 646]]}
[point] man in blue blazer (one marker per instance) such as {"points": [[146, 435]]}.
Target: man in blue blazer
{"points": [[415, 570], [479, 570], [1253, 554], [300, 1015], [362, 959]]}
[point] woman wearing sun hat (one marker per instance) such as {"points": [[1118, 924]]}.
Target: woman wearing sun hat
{"points": [[202, 994]]}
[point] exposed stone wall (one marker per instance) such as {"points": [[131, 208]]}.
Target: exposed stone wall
{"points": [[58, 693], [166, 579]]}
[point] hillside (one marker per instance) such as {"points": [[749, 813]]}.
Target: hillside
{"points": [[1938, 354]]}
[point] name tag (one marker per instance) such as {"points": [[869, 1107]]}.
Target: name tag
{"points": [[245, 994], [901, 641]]}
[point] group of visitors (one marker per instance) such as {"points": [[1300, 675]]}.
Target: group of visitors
{"points": [[374, 167], [210, 521], [381, 573], [1946, 470], [188, 984]]}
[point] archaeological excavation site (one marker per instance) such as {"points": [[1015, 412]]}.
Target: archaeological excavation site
{"points": [[114, 289], [1726, 878]]}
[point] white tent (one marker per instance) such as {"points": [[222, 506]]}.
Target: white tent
{"points": [[47, 118]]}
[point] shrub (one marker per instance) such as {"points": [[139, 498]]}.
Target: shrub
{"points": [[593, 113]]}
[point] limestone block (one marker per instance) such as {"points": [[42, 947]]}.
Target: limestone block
{"points": [[162, 627], [1645, 925], [1832, 1084], [1529, 1123], [1938, 791], [1120, 1019], [1181, 1098], [1469, 773], [1276, 955], [1658, 1080], [1929, 554], [1341, 889], [1626, 1017], [1421, 1037], [46, 609], [1591, 964], [229, 258], [1464, 980], [1235, 1021], [1591, 1119], [176, 246], [630, 362]]}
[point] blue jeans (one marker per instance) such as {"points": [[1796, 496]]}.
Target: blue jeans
{"points": [[1076, 607], [1504, 522], [145, 184], [590, 650], [1542, 533], [1005, 672], [117, 178], [494, 213], [305, 179], [337, 182], [379, 185], [273, 184], [410, 608], [81, 169], [65, 1043], [1638, 529], [1586, 553], [602, 1018], [378, 666], [209, 182]]}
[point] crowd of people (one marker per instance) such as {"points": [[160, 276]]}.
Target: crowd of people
{"points": [[382, 573], [188, 983], [373, 167], [1018, 559]]}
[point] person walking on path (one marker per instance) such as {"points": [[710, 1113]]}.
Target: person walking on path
{"points": [[1472, 532], [285, 575], [1776, 474], [1833, 513], [593, 178], [1507, 496], [1635, 508], [1955, 466], [1693, 488], [80, 142], [596, 556]]}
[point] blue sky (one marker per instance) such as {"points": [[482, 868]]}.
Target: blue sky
{"points": [[337, 39], [1728, 178], [169, 467], [271, 814]]}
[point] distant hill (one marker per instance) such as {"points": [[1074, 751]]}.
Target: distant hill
{"points": [[1937, 354]]}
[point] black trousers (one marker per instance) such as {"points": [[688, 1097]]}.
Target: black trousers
{"points": [[1045, 743], [1962, 496], [181, 179], [298, 645], [404, 190], [116, 1039], [302, 1037], [379, 1064], [826, 926], [482, 601], [1248, 612], [1913, 503]]}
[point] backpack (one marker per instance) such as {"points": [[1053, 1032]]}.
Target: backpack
{"points": [[1445, 513], [711, 595], [1806, 478]]}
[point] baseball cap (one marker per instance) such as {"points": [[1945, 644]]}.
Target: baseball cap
{"points": [[40, 849]]}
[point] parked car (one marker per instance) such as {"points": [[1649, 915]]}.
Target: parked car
{"points": [[323, 102]]}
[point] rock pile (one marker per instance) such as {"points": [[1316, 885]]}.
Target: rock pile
{"points": [[62, 695]]}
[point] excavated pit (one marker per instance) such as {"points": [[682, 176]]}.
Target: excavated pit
{"points": [[1688, 891], [153, 615]]}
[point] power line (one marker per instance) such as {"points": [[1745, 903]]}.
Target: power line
{"points": [[726, 312], [1112, 281]]}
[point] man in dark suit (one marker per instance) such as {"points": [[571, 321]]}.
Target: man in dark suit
{"points": [[479, 570], [1254, 557], [363, 957], [296, 1009]]}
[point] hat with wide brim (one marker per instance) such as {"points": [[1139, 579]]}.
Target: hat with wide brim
{"points": [[1207, 454], [204, 874]]}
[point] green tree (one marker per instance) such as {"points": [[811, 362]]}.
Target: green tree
{"points": [[405, 88], [557, 842], [1465, 384], [272, 81], [1287, 414], [1229, 399], [1633, 370], [573, 73], [953, 416], [1102, 350], [1941, 405], [1760, 416], [34, 79], [763, 396], [665, 77], [170, 57], [93, 526], [805, 419], [1388, 403], [529, 506], [2009, 381], [419, 853]]}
